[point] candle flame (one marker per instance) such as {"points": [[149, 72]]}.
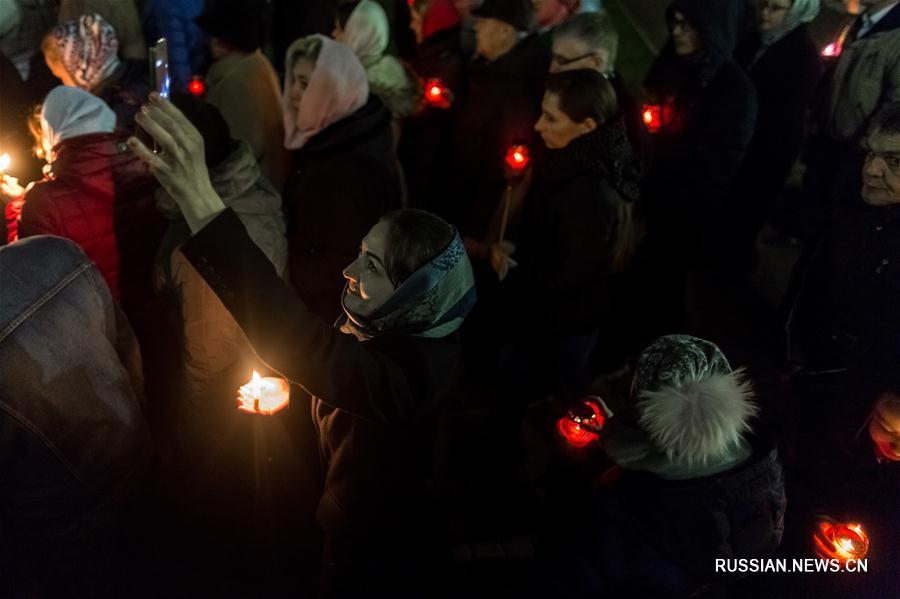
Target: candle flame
{"points": [[263, 395], [4, 162]]}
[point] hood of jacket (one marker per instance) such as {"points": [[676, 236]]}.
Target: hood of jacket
{"points": [[100, 165], [607, 152], [718, 23]]}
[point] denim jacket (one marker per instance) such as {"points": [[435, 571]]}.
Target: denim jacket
{"points": [[73, 438]]}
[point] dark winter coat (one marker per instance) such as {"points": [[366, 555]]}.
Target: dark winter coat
{"points": [[502, 105], [570, 216], [342, 181], [101, 197], [697, 155], [785, 76], [648, 537], [844, 293], [425, 142], [373, 402]]}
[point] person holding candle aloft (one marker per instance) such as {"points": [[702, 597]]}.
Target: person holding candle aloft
{"points": [[377, 377]]}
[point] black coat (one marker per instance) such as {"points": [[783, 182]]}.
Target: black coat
{"points": [[425, 143], [342, 181], [698, 154], [844, 294], [374, 402], [785, 76], [649, 537], [570, 216], [502, 105]]}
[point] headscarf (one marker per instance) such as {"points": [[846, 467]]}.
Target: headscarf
{"points": [[87, 49], [432, 302], [367, 31], [337, 88], [692, 412], [70, 111], [803, 11], [440, 15]]}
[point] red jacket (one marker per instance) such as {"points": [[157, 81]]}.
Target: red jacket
{"points": [[101, 197]]}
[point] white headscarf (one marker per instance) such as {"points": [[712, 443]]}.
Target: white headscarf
{"points": [[71, 111], [803, 11], [367, 31], [337, 88]]}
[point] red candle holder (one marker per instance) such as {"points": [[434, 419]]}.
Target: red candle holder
{"points": [[842, 542], [582, 425], [197, 87], [437, 94], [517, 158]]}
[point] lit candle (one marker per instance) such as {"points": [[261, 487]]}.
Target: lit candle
{"points": [[842, 542], [264, 395], [437, 94], [4, 162], [582, 424]]}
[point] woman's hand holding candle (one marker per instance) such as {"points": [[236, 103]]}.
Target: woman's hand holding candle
{"points": [[264, 395]]}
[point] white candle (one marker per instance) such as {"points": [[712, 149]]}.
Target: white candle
{"points": [[264, 395]]}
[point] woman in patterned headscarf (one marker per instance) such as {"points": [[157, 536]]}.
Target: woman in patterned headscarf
{"points": [[84, 53]]}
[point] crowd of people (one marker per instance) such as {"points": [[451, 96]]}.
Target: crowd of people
{"points": [[495, 275]]}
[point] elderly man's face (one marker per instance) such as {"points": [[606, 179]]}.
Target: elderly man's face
{"points": [[570, 53], [881, 172]]}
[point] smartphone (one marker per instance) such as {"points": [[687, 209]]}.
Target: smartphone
{"points": [[159, 67]]}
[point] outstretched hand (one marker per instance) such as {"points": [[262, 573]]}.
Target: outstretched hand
{"points": [[180, 166]]}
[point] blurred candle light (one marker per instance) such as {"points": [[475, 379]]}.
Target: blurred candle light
{"points": [[264, 395], [4, 162], [437, 94], [517, 158], [652, 115], [197, 87]]}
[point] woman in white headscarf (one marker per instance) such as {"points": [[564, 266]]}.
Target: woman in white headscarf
{"points": [[344, 173], [365, 28], [785, 67]]}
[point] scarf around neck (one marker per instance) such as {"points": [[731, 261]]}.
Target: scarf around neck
{"points": [[432, 302]]}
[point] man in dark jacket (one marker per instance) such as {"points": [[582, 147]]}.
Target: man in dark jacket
{"points": [[73, 439], [708, 117], [708, 111], [843, 324], [503, 102]]}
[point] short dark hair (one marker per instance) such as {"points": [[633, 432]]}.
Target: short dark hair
{"points": [[887, 119], [596, 30], [583, 94], [414, 238]]}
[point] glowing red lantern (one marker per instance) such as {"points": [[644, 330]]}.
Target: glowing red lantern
{"points": [[437, 94], [197, 87], [581, 426], [842, 542], [517, 158], [652, 115]]}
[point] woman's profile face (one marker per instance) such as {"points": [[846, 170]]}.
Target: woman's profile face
{"points": [[555, 126], [368, 283], [301, 73]]}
